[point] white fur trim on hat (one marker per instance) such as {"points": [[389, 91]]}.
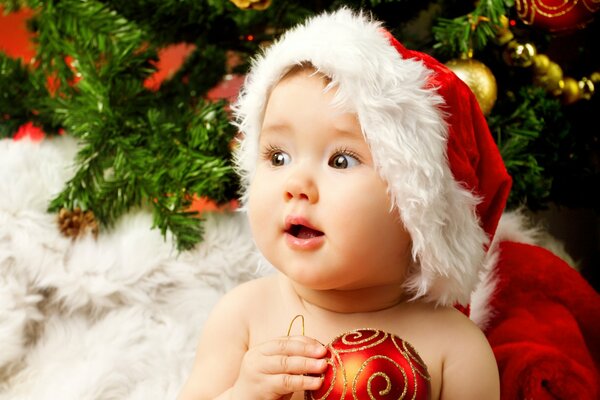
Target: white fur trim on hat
{"points": [[404, 125]]}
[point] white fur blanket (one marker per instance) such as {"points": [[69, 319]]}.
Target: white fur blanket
{"points": [[117, 317]]}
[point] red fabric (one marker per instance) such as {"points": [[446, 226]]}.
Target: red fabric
{"points": [[473, 156], [545, 330]]}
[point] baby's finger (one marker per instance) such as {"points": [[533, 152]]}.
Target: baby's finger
{"points": [[296, 383], [294, 346], [282, 364]]}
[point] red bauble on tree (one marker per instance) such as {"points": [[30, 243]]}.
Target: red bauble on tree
{"points": [[557, 15], [31, 131], [367, 364]]}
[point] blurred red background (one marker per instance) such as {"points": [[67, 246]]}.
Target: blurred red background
{"points": [[15, 41], [14, 38]]}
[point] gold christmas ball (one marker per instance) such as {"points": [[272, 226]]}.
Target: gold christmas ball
{"points": [[552, 80], [252, 4], [570, 92], [480, 80], [586, 88], [541, 62], [519, 54], [503, 33], [595, 77], [554, 72], [504, 36]]}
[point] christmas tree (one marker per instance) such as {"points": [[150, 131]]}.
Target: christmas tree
{"points": [[164, 143]]}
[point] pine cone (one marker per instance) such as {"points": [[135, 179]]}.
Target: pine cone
{"points": [[77, 223]]}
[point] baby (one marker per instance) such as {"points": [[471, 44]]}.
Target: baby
{"points": [[373, 186]]}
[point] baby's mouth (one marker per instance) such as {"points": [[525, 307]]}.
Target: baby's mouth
{"points": [[303, 231]]}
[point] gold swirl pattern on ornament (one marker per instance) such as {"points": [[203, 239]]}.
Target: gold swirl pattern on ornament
{"points": [[540, 7], [333, 380], [353, 338], [592, 5], [411, 354], [388, 382], [383, 375], [334, 366], [363, 341]]}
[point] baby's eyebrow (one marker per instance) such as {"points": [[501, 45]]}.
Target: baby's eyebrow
{"points": [[349, 132], [275, 129]]}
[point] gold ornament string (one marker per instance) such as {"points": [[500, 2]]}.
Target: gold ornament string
{"points": [[547, 73], [292, 324]]}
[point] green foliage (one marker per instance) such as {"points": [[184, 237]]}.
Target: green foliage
{"points": [[21, 92], [529, 133], [157, 158], [139, 148], [546, 145], [470, 32], [12, 5]]}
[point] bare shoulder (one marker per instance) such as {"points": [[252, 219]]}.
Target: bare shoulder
{"points": [[457, 325], [470, 370], [225, 340], [459, 358], [239, 307], [439, 322]]}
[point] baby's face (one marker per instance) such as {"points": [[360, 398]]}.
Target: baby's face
{"points": [[318, 209]]}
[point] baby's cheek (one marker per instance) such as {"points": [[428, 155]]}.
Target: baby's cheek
{"points": [[264, 213]]}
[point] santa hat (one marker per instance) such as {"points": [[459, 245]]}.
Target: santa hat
{"points": [[428, 138]]}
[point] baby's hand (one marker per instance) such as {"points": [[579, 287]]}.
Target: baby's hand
{"points": [[277, 368]]}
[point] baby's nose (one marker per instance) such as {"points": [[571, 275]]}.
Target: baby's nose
{"points": [[301, 186]]}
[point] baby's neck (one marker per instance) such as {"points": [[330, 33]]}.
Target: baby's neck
{"points": [[364, 300]]}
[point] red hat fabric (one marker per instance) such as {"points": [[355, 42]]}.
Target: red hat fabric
{"points": [[428, 138], [472, 153]]}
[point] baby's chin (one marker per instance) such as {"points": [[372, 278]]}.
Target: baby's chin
{"points": [[352, 299]]}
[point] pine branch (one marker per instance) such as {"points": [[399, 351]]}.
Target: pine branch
{"points": [[471, 32], [528, 133], [181, 156], [138, 148], [84, 30]]}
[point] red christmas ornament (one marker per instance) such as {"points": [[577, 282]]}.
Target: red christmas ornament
{"points": [[557, 15], [367, 364]]}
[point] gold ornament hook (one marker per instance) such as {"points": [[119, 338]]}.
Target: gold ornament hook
{"points": [[292, 324]]}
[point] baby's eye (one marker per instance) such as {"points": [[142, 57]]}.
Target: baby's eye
{"points": [[279, 158], [343, 161]]}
